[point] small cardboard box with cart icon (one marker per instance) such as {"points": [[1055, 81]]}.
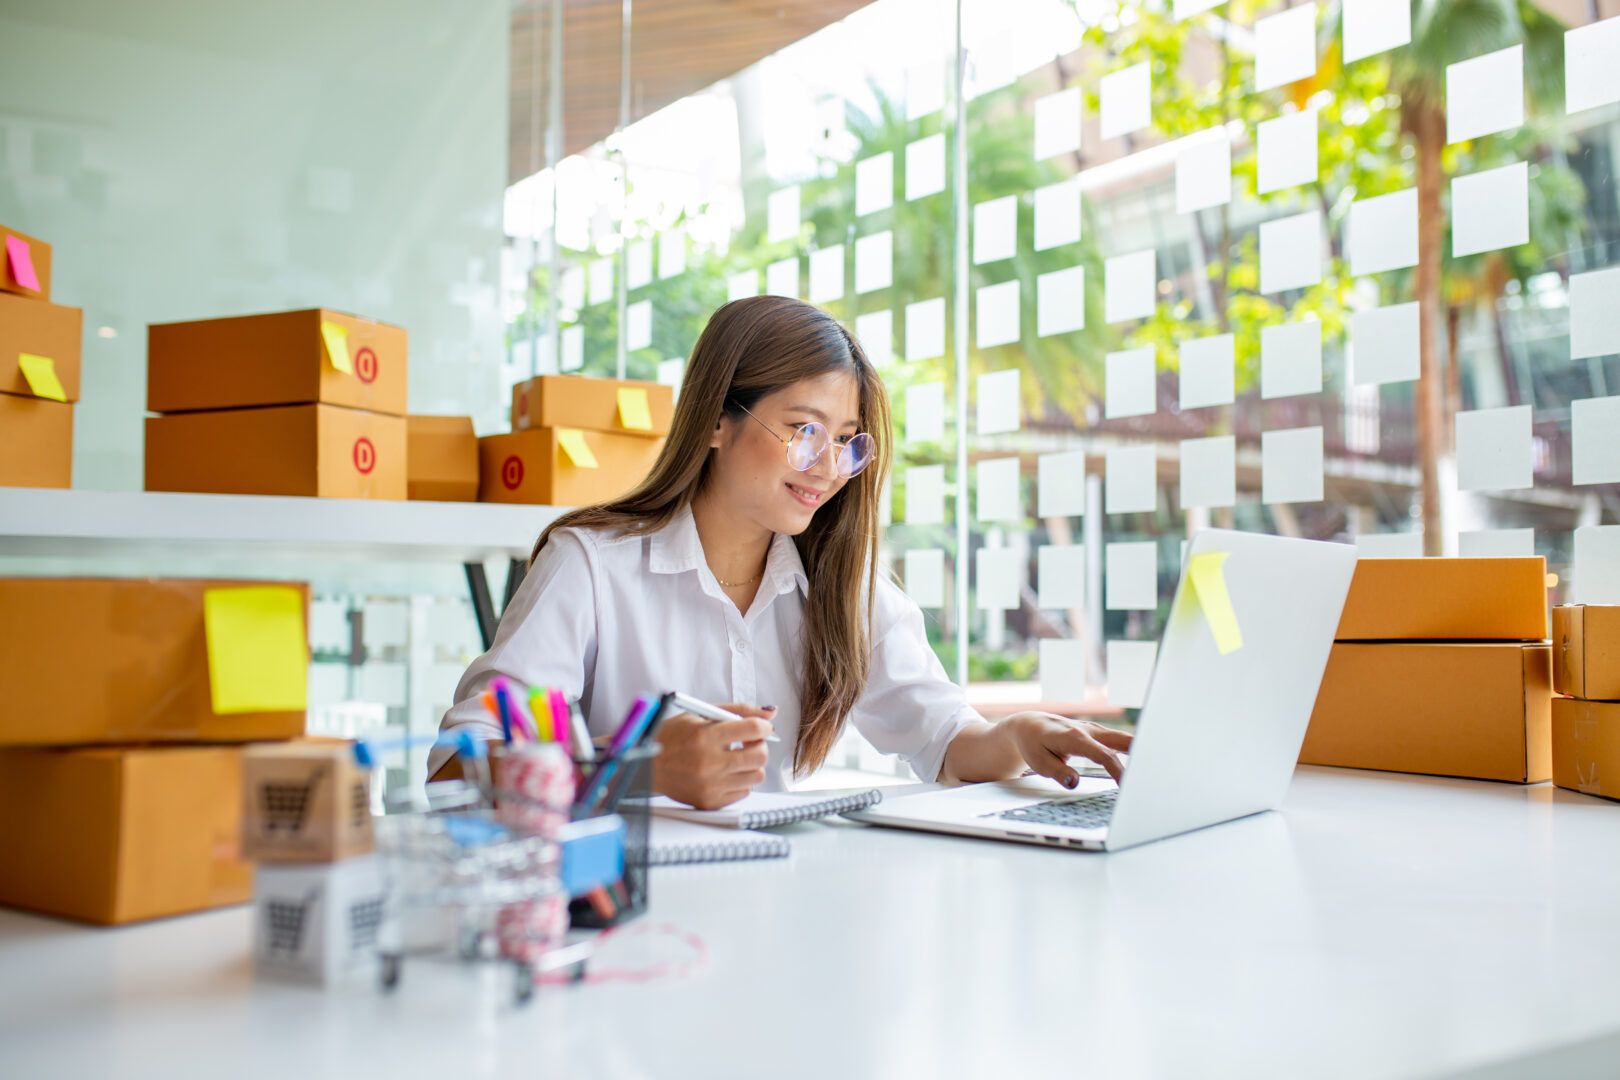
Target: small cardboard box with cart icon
{"points": [[317, 921], [306, 801]]}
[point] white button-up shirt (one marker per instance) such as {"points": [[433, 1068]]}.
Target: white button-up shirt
{"points": [[604, 617]]}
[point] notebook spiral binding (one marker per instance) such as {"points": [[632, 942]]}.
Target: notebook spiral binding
{"points": [[724, 851], [765, 819]]}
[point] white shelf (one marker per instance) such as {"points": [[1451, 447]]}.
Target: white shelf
{"points": [[44, 522]]}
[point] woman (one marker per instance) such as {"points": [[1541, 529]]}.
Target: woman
{"points": [[744, 570]]}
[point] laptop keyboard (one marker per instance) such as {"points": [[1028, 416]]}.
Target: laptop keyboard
{"points": [[1080, 812]]}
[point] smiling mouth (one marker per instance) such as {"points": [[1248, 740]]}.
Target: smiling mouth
{"points": [[805, 495]]}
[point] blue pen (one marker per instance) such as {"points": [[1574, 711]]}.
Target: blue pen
{"points": [[641, 713]]}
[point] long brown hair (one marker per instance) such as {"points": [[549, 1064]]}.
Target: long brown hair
{"points": [[752, 348]]}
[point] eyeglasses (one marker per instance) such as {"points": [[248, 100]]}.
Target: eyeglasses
{"points": [[810, 442]]}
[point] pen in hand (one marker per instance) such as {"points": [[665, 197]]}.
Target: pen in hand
{"points": [[686, 703]]}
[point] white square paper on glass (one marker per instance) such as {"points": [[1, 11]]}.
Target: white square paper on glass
{"points": [[1057, 214], [1060, 576], [1063, 669], [1057, 123], [1286, 150], [925, 329], [782, 278], [1594, 313], [1291, 465], [1496, 543], [1485, 95], [1132, 482], [827, 274], [638, 325], [997, 585], [874, 183], [1291, 252], [1494, 449], [996, 314], [998, 402], [1061, 484], [1131, 383], [573, 348], [742, 285], [672, 253], [670, 373], [995, 229], [1060, 301], [1131, 576], [1186, 9], [1208, 472], [1597, 565], [1490, 209], [1384, 345], [782, 215], [874, 262], [1208, 371], [925, 577], [638, 259], [1203, 170], [925, 412], [925, 166], [601, 281], [1130, 284], [875, 331], [1401, 545], [1591, 76], [1125, 100], [1595, 433], [1291, 359], [1375, 26], [925, 88], [1384, 232], [572, 290], [1285, 47], [925, 495], [1130, 670], [995, 493]]}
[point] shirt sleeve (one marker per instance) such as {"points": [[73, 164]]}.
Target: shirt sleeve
{"points": [[910, 707], [547, 637]]}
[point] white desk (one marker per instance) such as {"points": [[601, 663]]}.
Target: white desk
{"points": [[1383, 926]]}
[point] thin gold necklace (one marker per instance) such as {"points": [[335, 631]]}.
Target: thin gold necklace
{"points": [[737, 584]]}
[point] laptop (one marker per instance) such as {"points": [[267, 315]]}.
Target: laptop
{"points": [[1218, 734]]}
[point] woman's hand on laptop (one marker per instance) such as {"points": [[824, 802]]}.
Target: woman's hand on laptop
{"points": [[1046, 742], [697, 765]]}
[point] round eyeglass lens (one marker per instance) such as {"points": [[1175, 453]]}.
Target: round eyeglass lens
{"points": [[807, 446], [856, 455]]}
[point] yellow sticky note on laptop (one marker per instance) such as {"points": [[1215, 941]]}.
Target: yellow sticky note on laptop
{"points": [[40, 371], [1207, 576], [337, 346], [634, 414], [258, 653], [572, 441]]}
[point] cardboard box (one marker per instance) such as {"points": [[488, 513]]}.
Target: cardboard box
{"points": [[39, 254], [441, 459], [1478, 710], [1446, 600], [106, 660], [317, 922], [581, 401], [304, 802], [279, 359], [289, 450], [40, 329], [532, 467], [1586, 651], [1586, 746], [36, 442], [116, 834]]}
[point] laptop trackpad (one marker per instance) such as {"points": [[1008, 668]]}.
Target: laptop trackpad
{"points": [[975, 799]]}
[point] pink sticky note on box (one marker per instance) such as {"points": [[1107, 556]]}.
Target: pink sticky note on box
{"points": [[22, 262]]}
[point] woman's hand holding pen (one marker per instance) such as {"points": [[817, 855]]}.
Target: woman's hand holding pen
{"points": [[697, 765], [1046, 742]]}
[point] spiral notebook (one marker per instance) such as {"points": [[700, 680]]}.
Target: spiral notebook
{"points": [[672, 842], [763, 809]]}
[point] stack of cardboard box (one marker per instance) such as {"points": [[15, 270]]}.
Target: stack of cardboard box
{"points": [[575, 440], [298, 403], [1439, 666], [120, 756], [1586, 722], [39, 368]]}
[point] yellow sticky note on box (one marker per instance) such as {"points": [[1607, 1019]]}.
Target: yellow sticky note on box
{"points": [[634, 414], [572, 440], [258, 653], [337, 346], [40, 371], [1206, 573]]}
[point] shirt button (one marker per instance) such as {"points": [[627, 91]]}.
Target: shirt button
{"points": [[742, 645]]}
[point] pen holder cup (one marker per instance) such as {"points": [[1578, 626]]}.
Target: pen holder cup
{"points": [[625, 790]]}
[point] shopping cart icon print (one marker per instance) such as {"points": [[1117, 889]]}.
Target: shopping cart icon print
{"points": [[285, 804], [285, 919], [364, 918], [360, 804]]}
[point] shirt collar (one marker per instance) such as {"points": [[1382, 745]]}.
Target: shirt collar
{"points": [[676, 548]]}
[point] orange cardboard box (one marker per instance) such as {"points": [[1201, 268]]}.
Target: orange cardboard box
{"points": [[41, 329], [1446, 600], [1586, 746], [36, 442], [116, 834], [107, 660], [290, 450], [39, 255], [281, 359], [1586, 651], [304, 802], [584, 402], [441, 458], [1478, 710], [533, 467]]}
